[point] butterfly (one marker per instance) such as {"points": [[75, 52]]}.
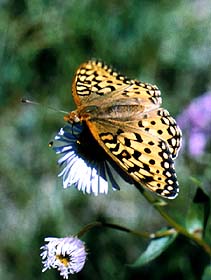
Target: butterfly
{"points": [[125, 118]]}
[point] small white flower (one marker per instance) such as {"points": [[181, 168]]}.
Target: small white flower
{"points": [[67, 254], [86, 164]]}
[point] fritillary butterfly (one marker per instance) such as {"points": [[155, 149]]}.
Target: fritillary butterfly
{"points": [[125, 118]]}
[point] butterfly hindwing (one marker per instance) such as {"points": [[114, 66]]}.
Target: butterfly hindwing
{"points": [[95, 79]]}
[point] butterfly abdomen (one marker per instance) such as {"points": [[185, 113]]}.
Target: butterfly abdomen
{"points": [[110, 112]]}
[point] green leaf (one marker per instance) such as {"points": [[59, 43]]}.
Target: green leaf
{"points": [[207, 273], [198, 213], [196, 181], [155, 248]]}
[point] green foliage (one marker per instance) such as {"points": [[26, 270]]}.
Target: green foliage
{"points": [[42, 43], [207, 273], [198, 213], [155, 248]]}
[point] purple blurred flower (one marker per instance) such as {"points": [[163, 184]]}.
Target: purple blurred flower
{"points": [[195, 122]]}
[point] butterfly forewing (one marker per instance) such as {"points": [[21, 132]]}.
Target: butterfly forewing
{"points": [[159, 123], [124, 117], [145, 157]]}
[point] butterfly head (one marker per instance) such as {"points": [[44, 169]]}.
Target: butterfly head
{"points": [[72, 117]]}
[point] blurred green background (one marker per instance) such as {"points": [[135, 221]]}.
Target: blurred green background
{"points": [[167, 43]]}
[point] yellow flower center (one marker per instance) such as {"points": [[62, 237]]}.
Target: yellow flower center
{"points": [[64, 260]]}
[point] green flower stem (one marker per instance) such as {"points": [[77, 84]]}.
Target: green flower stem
{"points": [[114, 226], [175, 227], [143, 234], [180, 229]]}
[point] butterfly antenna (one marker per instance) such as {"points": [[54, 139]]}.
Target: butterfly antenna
{"points": [[27, 101]]}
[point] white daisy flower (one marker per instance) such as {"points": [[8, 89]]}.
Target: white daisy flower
{"points": [[67, 255], [86, 164]]}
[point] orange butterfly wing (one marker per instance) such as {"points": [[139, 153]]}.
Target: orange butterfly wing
{"points": [[124, 117]]}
